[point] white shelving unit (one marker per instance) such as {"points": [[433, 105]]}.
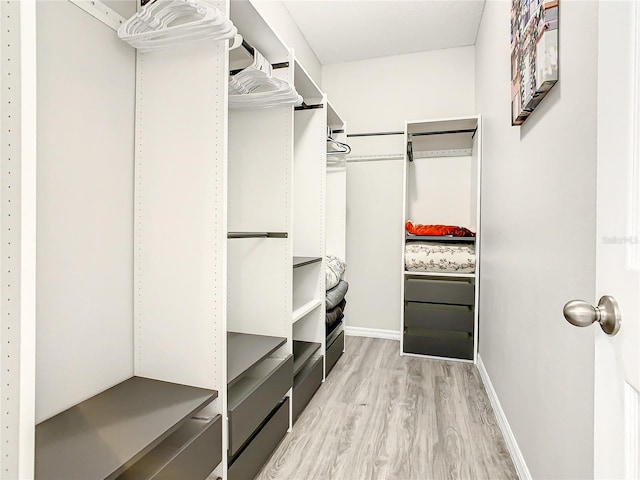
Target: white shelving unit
{"points": [[179, 254], [336, 208], [259, 302], [439, 316], [308, 181], [126, 285]]}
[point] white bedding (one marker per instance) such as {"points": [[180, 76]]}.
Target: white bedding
{"points": [[440, 257]]}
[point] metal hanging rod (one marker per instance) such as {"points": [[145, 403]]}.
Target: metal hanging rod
{"points": [[257, 235], [304, 106], [418, 134], [252, 52], [373, 134], [445, 132], [338, 131]]}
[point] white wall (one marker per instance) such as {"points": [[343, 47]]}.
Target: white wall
{"points": [[279, 19], [374, 96], [538, 241]]}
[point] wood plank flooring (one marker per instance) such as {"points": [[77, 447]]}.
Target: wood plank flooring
{"points": [[382, 416]]}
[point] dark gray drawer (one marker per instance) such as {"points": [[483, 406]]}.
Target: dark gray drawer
{"points": [[438, 316], [334, 351], [305, 385], [335, 331], [439, 343], [454, 292], [247, 465], [190, 453], [255, 395]]}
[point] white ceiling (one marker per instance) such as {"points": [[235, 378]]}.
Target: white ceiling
{"points": [[346, 30]]}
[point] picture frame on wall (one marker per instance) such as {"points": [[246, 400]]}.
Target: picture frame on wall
{"points": [[534, 54]]}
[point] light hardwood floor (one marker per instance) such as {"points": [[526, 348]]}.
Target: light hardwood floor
{"points": [[382, 416]]}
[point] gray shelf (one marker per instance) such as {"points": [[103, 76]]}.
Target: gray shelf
{"points": [[302, 352], [245, 350], [302, 261], [106, 434], [440, 238]]}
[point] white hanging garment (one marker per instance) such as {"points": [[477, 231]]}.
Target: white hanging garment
{"points": [[166, 23]]}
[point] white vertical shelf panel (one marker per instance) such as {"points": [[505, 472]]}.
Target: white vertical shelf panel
{"points": [[85, 215], [259, 287], [180, 224], [310, 148], [260, 149], [17, 249], [476, 199]]}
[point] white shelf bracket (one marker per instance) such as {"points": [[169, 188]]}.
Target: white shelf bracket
{"points": [[100, 11]]}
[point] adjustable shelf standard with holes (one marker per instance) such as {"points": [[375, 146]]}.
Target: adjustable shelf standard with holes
{"points": [[442, 187]]}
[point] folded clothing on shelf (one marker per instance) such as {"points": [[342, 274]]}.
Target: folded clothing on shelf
{"points": [[440, 257], [336, 294], [438, 230], [335, 271], [335, 314]]}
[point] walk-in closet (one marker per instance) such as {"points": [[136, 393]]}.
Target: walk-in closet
{"points": [[302, 240]]}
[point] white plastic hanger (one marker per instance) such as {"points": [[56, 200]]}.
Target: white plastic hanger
{"points": [[165, 23], [256, 87]]}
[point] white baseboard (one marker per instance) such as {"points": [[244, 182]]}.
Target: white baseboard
{"points": [[372, 332], [510, 439]]}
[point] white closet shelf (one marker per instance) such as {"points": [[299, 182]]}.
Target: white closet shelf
{"points": [[436, 274], [246, 350], [333, 119], [305, 85], [440, 238], [103, 436], [302, 261], [302, 309], [256, 31]]}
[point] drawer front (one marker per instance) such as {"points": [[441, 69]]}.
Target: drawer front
{"points": [[247, 465], [305, 385], [439, 291], [334, 351], [190, 453], [246, 417], [438, 316], [335, 331], [439, 344]]}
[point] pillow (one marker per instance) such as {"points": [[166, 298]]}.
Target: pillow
{"points": [[335, 271]]}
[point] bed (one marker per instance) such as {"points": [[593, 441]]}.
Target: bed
{"points": [[438, 257]]}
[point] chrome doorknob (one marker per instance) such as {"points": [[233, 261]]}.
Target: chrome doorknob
{"points": [[583, 314]]}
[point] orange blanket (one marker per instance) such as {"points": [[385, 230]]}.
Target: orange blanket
{"points": [[438, 230]]}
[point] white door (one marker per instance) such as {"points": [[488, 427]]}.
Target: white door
{"points": [[617, 358]]}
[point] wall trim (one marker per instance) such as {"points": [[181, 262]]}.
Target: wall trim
{"points": [[372, 333], [507, 433]]}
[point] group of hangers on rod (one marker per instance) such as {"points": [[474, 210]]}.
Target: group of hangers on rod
{"points": [[168, 23]]}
